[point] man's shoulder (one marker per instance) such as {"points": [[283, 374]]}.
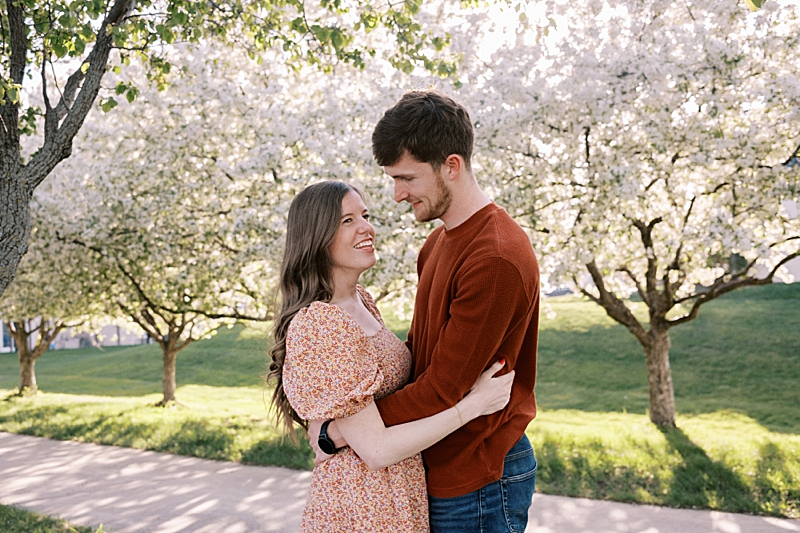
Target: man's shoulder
{"points": [[502, 236]]}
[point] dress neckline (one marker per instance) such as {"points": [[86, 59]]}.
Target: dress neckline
{"points": [[350, 317]]}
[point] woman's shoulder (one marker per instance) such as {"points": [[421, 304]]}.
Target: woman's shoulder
{"points": [[322, 318]]}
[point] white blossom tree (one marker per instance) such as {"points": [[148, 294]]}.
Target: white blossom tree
{"points": [[86, 38], [650, 148]]}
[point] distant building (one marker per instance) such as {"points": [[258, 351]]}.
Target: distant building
{"points": [[6, 342], [127, 335]]}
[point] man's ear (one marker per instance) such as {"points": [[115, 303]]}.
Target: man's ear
{"points": [[453, 166]]}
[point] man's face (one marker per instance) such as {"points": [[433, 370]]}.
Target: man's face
{"points": [[420, 185]]}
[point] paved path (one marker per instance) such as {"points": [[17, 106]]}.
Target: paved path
{"points": [[134, 491]]}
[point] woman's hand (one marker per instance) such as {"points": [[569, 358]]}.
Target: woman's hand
{"points": [[489, 394]]}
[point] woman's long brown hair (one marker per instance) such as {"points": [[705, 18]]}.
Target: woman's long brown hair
{"points": [[306, 275]]}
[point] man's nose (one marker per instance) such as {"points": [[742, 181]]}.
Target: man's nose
{"points": [[400, 192]]}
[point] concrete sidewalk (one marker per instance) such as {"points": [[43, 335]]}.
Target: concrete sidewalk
{"points": [[131, 491]]}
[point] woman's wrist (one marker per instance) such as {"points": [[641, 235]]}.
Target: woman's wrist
{"points": [[460, 418], [466, 411]]}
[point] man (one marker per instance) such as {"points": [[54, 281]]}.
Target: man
{"points": [[477, 302]]}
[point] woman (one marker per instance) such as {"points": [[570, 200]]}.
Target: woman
{"points": [[333, 355]]}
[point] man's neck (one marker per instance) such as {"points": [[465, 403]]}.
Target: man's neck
{"points": [[464, 205]]}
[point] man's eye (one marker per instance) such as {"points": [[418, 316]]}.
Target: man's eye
{"points": [[366, 217]]}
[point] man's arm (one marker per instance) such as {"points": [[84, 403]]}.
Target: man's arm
{"points": [[492, 298]]}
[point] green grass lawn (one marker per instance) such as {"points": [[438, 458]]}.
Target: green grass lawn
{"points": [[14, 520], [735, 369]]}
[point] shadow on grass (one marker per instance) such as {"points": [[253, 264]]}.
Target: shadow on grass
{"points": [[589, 471], [198, 439], [277, 452], [675, 472], [778, 491], [60, 423], [192, 437], [699, 481]]}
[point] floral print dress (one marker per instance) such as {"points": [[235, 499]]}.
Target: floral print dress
{"points": [[333, 370]]}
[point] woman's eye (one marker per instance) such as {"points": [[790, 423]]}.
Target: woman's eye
{"points": [[345, 221], [366, 217]]}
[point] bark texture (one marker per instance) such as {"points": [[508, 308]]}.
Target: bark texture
{"points": [[659, 380], [15, 227], [168, 379], [27, 373]]}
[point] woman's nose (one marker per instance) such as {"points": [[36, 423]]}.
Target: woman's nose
{"points": [[365, 226]]}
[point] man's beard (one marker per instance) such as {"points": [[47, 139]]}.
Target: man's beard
{"points": [[443, 201]]}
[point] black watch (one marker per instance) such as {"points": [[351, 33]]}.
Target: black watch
{"points": [[324, 442]]}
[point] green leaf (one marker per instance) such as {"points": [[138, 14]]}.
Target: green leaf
{"points": [[337, 39], [121, 88], [85, 67], [108, 105], [299, 25], [131, 95], [60, 50], [754, 5]]}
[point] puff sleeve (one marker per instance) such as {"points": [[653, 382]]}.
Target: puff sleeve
{"points": [[328, 371]]}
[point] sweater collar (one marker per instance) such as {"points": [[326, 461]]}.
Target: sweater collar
{"points": [[473, 223]]}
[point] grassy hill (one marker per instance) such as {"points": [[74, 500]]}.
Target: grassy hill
{"points": [[735, 370]]}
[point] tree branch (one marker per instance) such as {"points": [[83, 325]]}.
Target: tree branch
{"points": [[721, 287], [639, 288], [74, 108], [615, 308], [646, 232], [9, 113]]}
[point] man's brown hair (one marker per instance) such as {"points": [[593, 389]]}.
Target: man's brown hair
{"points": [[429, 125]]}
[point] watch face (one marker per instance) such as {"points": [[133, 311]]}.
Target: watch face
{"points": [[326, 445]]}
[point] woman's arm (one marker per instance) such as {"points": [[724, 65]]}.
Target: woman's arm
{"points": [[379, 446]]}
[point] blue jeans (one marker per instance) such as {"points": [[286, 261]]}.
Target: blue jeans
{"points": [[499, 507]]}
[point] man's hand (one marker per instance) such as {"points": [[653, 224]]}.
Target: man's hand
{"points": [[313, 437]]}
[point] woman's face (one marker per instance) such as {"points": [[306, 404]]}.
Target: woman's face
{"points": [[353, 247]]}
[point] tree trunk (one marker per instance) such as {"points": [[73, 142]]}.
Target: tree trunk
{"points": [[27, 357], [659, 379], [15, 226], [27, 374], [169, 356]]}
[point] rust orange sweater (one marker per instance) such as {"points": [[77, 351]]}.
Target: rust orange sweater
{"points": [[477, 301]]}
